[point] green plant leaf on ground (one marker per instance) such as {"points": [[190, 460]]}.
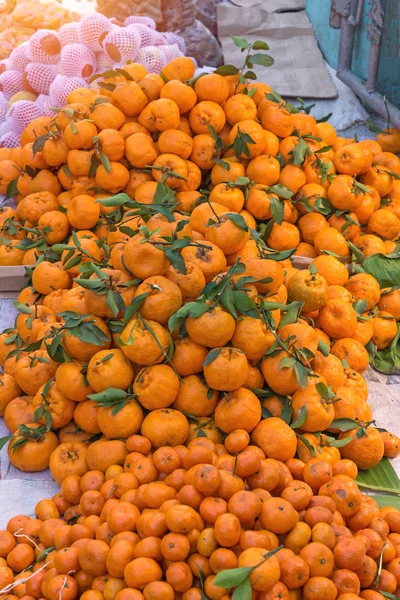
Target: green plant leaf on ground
{"points": [[386, 500], [382, 478], [384, 267], [388, 360]]}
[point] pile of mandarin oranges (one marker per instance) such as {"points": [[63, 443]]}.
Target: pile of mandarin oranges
{"points": [[198, 398]]}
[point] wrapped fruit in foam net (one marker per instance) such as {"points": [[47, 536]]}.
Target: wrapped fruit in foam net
{"points": [[92, 30], [37, 78], [44, 47], [19, 58], [21, 114], [53, 63], [69, 33], [78, 60]]}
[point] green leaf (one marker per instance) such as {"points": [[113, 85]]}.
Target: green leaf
{"points": [[109, 394], [232, 577], [39, 143], [299, 152], [260, 45], [243, 591], [307, 444], [323, 149], [281, 191], [343, 424], [274, 97], [264, 60], [360, 306], [22, 308], [325, 118], [134, 306], [286, 414], [94, 163], [287, 362], [190, 309], [240, 42], [211, 356], [340, 443], [105, 162], [112, 303], [387, 500], [12, 189], [277, 210], [124, 73], [4, 440], [301, 418], [384, 267], [323, 391], [382, 477], [227, 70], [301, 374], [243, 303], [323, 348], [117, 200], [388, 360], [252, 76], [238, 220]]}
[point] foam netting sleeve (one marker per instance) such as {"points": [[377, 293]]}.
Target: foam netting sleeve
{"points": [[141, 20], [44, 47], [3, 108], [171, 52], [21, 114], [19, 57], [69, 33], [11, 83], [152, 58], [92, 30], [78, 60], [62, 86], [43, 102], [9, 140], [104, 62], [122, 44], [174, 38], [38, 77], [148, 37]]}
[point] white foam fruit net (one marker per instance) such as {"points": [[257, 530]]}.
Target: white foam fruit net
{"points": [[92, 30], [148, 37], [44, 47], [173, 38], [62, 86], [44, 104], [52, 64], [19, 57], [21, 114], [9, 140], [69, 34], [171, 52], [104, 62], [11, 83], [78, 60], [38, 78], [152, 58], [141, 20], [122, 44]]}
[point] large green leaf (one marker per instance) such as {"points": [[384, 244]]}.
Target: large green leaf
{"points": [[381, 478], [384, 267], [388, 360], [387, 500]]}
